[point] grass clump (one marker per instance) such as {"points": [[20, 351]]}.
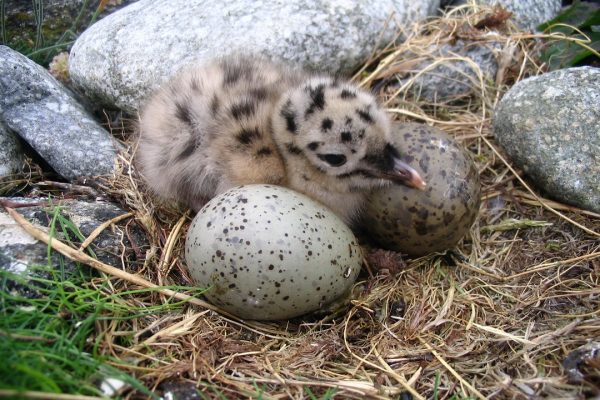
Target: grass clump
{"points": [[574, 37], [49, 342], [40, 33], [54, 321]]}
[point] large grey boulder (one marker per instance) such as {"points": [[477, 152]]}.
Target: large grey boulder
{"points": [[550, 127], [11, 156], [527, 14], [45, 114], [120, 59]]}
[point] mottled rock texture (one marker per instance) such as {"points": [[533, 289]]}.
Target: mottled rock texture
{"points": [[11, 156], [122, 245], [45, 114], [119, 60], [550, 127]]}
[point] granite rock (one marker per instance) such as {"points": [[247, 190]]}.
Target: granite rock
{"points": [[47, 116], [549, 125], [121, 59], [122, 245], [11, 156]]}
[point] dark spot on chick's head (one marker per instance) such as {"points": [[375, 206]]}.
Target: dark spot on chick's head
{"points": [[381, 161], [346, 136], [288, 113], [317, 98], [244, 108], [188, 148], [247, 136], [365, 116], [183, 113], [347, 94], [214, 104], [293, 149], [326, 124], [313, 146], [234, 72], [390, 151], [259, 93], [264, 151]]}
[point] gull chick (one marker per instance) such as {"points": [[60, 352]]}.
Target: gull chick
{"points": [[245, 119]]}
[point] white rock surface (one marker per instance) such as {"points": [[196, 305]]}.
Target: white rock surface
{"points": [[120, 59], [11, 157]]}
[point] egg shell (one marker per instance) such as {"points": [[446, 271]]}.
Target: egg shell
{"points": [[268, 252], [419, 222]]}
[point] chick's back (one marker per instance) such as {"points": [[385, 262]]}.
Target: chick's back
{"points": [[210, 129]]}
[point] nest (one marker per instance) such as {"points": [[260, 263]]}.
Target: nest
{"points": [[496, 317]]}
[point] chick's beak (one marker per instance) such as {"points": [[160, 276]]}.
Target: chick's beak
{"points": [[406, 175]]}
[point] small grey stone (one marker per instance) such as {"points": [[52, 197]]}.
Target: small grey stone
{"points": [[179, 389], [42, 112], [11, 156], [527, 14], [452, 78], [21, 254], [550, 127], [575, 362], [121, 59]]}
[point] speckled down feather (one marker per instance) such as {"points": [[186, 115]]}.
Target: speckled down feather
{"points": [[243, 120]]}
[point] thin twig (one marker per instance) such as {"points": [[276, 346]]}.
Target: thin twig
{"points": [[101, 228]]}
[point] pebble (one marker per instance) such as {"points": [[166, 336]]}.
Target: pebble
{"points": [[549, 126]]}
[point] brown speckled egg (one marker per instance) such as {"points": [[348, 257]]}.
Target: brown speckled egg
{"points": [[266, 252], [418, 222]]}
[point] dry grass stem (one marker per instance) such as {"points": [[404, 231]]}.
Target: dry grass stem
{"points": [[101, 228]]}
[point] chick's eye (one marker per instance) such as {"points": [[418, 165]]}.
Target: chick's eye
{"points": [[391, 151], [335, 160]]}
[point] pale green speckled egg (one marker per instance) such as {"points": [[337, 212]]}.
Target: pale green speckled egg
{"points": [[266, 252], [418, 222]]}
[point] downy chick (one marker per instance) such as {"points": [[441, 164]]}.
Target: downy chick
{"points": [[243, 120]]}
